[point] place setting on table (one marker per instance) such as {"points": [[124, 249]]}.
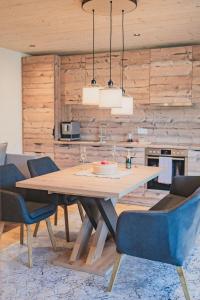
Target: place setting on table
{"points": [[99, 186], [105, 168]]}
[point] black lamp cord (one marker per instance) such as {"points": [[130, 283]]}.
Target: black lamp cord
{"points": [[93, 82], [123, 49], [110, 82]]}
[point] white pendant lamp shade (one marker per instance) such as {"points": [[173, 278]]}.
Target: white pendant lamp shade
{"points": [[91, 95], [110, 97], [126, 108]]}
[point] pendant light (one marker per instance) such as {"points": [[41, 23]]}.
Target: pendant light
{"points": [[110, 96], [90, 94], [127, 101]]}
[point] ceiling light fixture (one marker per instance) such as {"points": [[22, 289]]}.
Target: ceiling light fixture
{"points": [[91, 93], [102, 7], [110, 96], [127, 101]]}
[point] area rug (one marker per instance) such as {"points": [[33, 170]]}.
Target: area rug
{"points": [[138, 279]]}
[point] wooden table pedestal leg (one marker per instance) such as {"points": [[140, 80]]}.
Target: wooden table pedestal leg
{"points": [[98, 242], [82, 240], [106, 223]]}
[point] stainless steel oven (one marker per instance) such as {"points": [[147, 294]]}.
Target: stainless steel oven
{"points": [[179, 164]]}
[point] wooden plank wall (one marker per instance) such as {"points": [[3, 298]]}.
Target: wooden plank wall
{"points": [[39, 98], [52, 88], [150, 76], [171, 75], [159, 75]]}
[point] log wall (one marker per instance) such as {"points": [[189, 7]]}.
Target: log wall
{"points": [[168, 75], [52, 89], [41, 97]]}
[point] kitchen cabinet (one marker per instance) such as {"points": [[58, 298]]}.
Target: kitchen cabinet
{"points": [[137, 75], [40, 94], [72, 78], [68, 155], [136, 72], [171, 76]]}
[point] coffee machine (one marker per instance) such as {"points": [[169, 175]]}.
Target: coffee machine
{"points": [[70, 131]]}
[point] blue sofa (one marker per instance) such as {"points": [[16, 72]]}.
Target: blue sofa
{"points": [[20, 161]]}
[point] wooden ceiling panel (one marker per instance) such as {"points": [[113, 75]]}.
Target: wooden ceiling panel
{"points": [[49, 26]]}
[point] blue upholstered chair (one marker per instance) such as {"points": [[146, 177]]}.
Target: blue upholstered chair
{"points": [[45, 165], [166, 232], [24, 206]]}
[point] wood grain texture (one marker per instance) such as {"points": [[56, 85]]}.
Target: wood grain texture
{"points": [[171, 75], [158, 75], [63, 27], [67, 182], [40, 79]]}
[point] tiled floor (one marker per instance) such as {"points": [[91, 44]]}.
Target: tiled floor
{"points": [[137, 280]]}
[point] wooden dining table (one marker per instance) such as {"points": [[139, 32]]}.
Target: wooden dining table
{"points": [[94, 247]]}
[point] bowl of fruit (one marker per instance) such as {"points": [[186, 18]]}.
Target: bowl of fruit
{"points": [[105, 167]]}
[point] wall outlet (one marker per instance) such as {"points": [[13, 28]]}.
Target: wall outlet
{"points": [[143, 131]]}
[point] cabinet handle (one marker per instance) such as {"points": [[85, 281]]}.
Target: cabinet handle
{"points": [[64, 146]]}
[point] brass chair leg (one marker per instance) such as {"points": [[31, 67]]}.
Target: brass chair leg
{"points": [[183, 282], [115, 271], [56, 218], [29, 243], [1, 228], [66, 223], [22, 234], [36, 229], [80, 211], [50, 231]]}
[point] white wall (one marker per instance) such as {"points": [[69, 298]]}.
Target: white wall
{"points": [[10, 100]]}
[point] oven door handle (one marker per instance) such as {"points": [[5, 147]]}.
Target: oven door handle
{"points": [[173, 158]]}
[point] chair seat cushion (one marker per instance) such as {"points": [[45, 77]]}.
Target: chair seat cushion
{"points": [[168, 202], [39, 211]]}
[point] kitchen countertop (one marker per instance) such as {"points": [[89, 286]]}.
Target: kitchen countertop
{"points": [[130, 144]]}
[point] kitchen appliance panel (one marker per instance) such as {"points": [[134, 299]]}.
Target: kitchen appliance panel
{"points": [[179, 164], [70, 131]]}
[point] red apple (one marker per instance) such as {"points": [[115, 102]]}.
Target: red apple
{"points": [[104, 162]]}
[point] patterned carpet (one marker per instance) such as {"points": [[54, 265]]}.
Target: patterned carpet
{"points": [[137, 280]]}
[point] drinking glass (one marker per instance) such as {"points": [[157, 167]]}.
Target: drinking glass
{"points": [[83, 154], [114, 152]]}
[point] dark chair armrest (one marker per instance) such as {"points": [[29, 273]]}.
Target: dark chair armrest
{"points": [[143, 234], [12, 207], [185, 185], [40, 196]]}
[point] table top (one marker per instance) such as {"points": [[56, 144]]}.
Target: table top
{"points": [[67, 182]]}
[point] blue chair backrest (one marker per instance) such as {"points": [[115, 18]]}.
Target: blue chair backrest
{"points": [[166, 235], [184, 226], [41, 166], [9, 175]]}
